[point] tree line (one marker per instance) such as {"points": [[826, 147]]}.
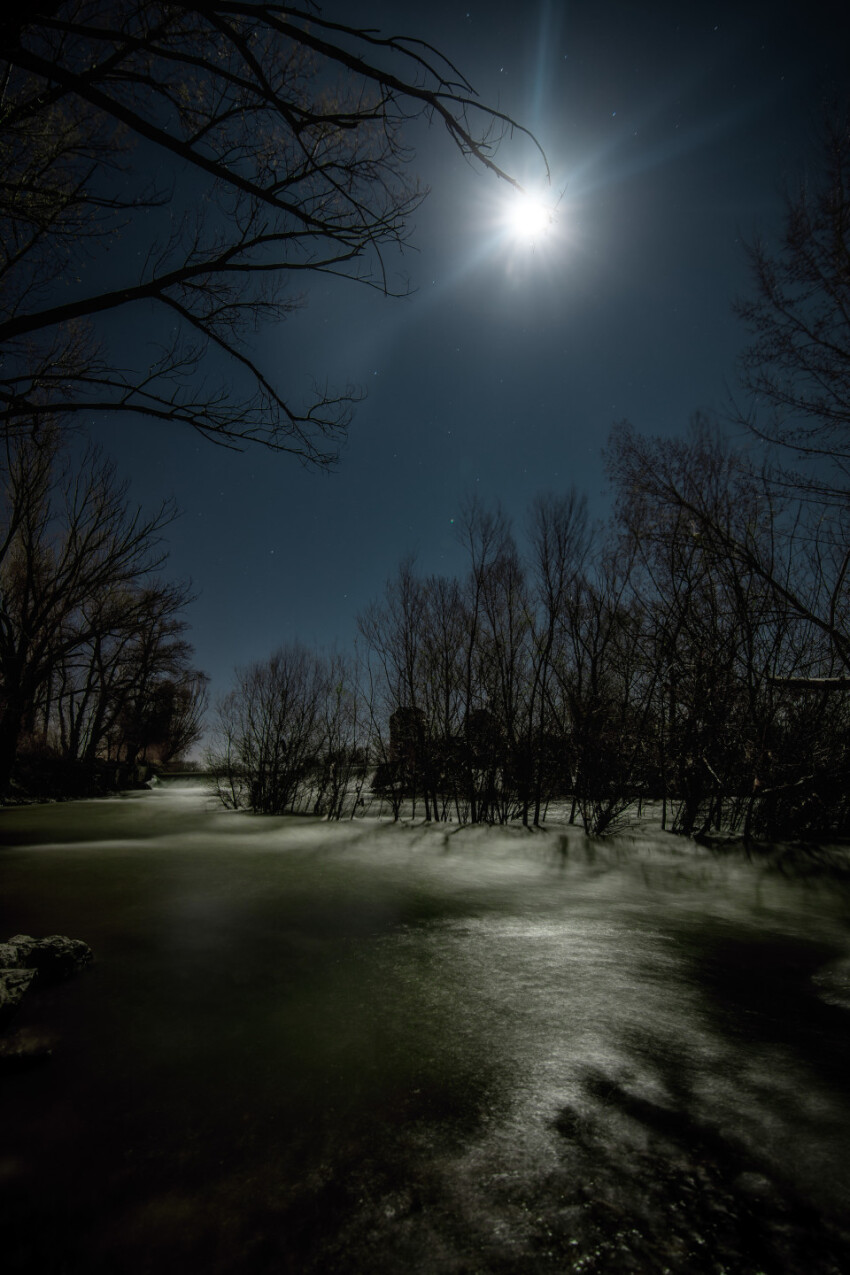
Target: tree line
{"points": [[589, 668], [96, 674]]}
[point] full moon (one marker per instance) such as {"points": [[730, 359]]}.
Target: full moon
{"points": [[528, 217]]}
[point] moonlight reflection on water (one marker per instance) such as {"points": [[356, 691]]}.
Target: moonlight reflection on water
{"points": [[360, 1047]]}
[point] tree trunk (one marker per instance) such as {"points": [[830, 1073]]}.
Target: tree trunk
{"points": [[10, 732]]}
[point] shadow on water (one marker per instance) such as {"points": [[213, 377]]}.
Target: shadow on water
{"points": [[666, 1191], [717, 1160], [314, 1048]]}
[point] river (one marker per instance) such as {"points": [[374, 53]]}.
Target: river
{"points": [[359, 1047]]}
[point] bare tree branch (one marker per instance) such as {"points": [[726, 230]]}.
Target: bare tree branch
{"points": [[279, 143]]}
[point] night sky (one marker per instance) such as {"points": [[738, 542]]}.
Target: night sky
{"points": [[671, 130]]}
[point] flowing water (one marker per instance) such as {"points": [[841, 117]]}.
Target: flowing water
{"points": [[313, 1047]]}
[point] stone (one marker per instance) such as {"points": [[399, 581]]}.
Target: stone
{"points": [[13, 984], [55, 957]]}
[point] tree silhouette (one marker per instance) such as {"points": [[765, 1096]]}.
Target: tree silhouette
{"points": [[797, 365], [77, 569], [222, 153]]}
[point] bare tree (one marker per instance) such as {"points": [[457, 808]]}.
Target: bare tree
{"points": [[393, 631], [75, 563], [443, 683], [292, 736], [742, 606], [797, 371], [560, 543], [161, 697], [269, 732], [278, 140], [486, 536], [505, 661], [797, 367], [803, 562], [605, 687], [129, 692], [343, 764]]}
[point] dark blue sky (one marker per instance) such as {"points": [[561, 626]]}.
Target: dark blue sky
{"points": [[671, 129]]}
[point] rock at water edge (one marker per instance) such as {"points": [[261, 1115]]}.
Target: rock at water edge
{"points": [[13, 984], [55, 957]]}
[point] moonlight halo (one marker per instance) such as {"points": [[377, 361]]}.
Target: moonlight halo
{"points": [[528, 217]]}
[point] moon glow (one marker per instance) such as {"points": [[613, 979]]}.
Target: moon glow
{"points": [[528, 217]]}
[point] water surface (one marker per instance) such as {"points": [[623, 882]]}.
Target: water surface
{"points": [[316, 1047]]}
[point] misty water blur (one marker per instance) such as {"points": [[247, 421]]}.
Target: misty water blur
{"points": [[361, 1046]]}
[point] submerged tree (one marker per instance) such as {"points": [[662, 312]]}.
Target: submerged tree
{"points": [[645, 663], [278, 144], [290, 736], [560, 544]]}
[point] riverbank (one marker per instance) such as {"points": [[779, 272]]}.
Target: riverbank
{"points": [[42, 779]]}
